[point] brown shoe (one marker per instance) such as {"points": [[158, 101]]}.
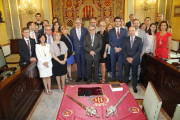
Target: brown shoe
{"points": [[88, 82], [120, 81], [98, 82], [112, 80]]}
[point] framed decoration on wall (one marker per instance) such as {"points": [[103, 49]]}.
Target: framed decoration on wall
{"points": [[177, 11]]}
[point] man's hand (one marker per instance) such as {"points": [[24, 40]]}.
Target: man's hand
{"points": [[130, 59], [105, 55], [73, 53], [32, 59], [141, 55], [117, 50], [92, 53]]}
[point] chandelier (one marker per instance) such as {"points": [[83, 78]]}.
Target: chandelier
{"points": [[147, 5], [27, 8]]}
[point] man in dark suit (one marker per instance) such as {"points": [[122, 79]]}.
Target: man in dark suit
{"points": [[92, 45], [131, 49], [26, 47], [77, 36], [130, 23], [34, 35], [116, 38], [45, 22]]}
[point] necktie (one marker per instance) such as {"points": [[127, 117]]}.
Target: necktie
{"points": [[131, 42], [32, 35], [92, 40], [29, 47], [49, 40], [118, 33]]}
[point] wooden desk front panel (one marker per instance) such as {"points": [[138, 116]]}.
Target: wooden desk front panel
{"points": [[166, 80], [19, 97]]}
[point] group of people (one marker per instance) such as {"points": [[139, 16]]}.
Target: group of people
{"points": [[96, 46]]}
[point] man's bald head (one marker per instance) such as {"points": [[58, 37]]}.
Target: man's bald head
{"points": [[131, 31]]}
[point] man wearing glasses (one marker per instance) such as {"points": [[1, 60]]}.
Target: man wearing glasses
{"points": [[48, 33], [77, 36], [93, 22], [92, 45], [116, 38]]}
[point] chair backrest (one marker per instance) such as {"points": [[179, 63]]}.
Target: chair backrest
{"points": [[6, 49], [152, 102], [176, 115], [2, 59]]}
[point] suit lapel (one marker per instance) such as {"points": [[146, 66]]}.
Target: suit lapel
{"points": [[120, 33], [95, 40], [114, 32], [81, 33], [75, 33], [134, 41], [25, 44]]}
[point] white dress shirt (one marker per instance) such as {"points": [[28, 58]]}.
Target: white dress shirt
{"points": [[150, 42], [51, 39], [131, 23], [92, 39], [32, 33], [28, 40], [136, 33], [116, 28], [78, 33], [133, 38]]}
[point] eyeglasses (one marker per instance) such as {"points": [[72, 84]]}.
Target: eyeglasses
{"points": [[91, 29], [117, 21], [102, 25], [48, 29], [78, 22]]}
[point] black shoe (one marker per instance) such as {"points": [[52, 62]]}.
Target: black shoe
{"points": [[85, 79], [79, 79], [135, 90]]}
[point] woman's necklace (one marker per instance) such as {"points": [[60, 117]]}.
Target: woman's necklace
{"points": [[161, 37]]}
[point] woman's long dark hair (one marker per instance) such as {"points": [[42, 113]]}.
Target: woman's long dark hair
{"points": [[149, 30], [40, 35], [59, 29]]}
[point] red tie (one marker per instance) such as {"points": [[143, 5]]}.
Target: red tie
{"points": [[118, 33]]}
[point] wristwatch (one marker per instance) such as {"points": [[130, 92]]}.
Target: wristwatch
{"points": [[65, 59]]}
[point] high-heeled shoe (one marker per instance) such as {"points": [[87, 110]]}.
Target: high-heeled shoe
{"points": [[50, 92], [67, 81], [47, 92], [70, 78], [102, 80]]}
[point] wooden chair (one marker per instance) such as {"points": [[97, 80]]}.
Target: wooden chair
{"points": [[3, 63], [151, 103], [176, 115]]}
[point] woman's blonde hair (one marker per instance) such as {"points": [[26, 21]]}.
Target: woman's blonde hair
{"points": [[64, 27], [55, 33], [102, 23], [108, 26]]}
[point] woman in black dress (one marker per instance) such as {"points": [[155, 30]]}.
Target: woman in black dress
{"points": [[59, 58], [103, 52]]}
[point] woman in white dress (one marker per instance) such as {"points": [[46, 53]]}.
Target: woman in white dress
{"points": [[44, 63], [150, 37]]}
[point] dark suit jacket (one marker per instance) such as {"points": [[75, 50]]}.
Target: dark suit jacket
{"points": [[41, 31], [78, 44], [68, 44], [113, 41], [24, 51], [133, 52], [96, 46], [128, 24]]}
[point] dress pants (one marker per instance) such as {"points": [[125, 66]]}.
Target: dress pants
{"points": [[134, 67], [108, 63], [96, 69], [114, 57], [139, 70], [80, 59]]}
